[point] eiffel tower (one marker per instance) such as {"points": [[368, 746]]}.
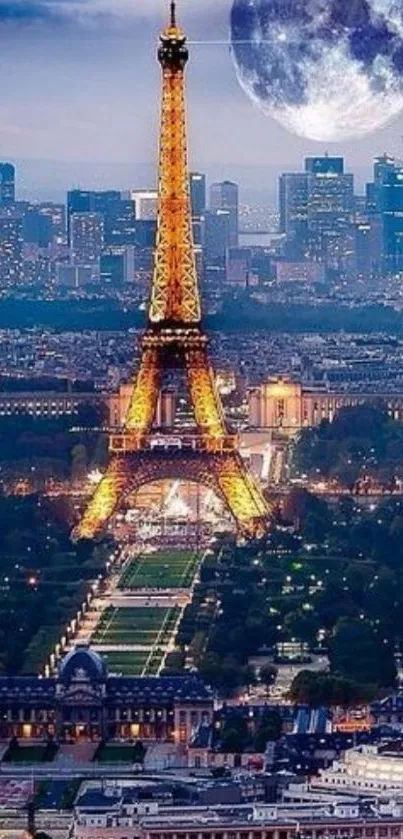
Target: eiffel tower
{"points": [[174, 340]]}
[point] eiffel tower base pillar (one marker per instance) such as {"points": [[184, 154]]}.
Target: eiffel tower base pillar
{"points": [[223, 473]]}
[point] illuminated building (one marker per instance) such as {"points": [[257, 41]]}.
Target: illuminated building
{"points": [[174, 340], [87, 238], [391, 204], [293, 208], [84, 702], [288, 406], [46, 403], [106, 203], [11, 250], [330, 209]]}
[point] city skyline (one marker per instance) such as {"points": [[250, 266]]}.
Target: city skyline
{"points": [[88, 116]]}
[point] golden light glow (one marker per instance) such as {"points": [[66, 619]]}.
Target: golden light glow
{"points": [[144, 400], [212, 458], [174, 294]]}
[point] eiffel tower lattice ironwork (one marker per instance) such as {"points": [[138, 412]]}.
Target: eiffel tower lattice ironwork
{"points": [[174, 338]]}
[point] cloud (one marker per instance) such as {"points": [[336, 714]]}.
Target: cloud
{"points": [[29, 11], [18, 11]]}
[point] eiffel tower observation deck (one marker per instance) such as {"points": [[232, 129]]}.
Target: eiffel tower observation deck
{"points": [[175, 340]]}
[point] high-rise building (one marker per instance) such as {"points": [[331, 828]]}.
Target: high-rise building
{"points": [[324, 165], [383, 166], [198, 203], [7, 184], [317, 211], [217, 236], [145, 203], [117, 266], [11, 250], [87, 238], [293, 208], [238, 267], [197, 193], [37, 228], [120, 223], [78, 201], [57, 214], [391, 206], [330, 210], [225, 196], [89, 201], [368, 245], [146, 232]]}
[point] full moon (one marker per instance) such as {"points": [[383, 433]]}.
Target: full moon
{"points": [[327, 70]]}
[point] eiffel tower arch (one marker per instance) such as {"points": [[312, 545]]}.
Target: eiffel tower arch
{"points": [[174, 340]]}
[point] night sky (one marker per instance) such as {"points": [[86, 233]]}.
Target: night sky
{"points": [[80, 88]]}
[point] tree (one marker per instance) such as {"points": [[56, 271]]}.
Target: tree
{"points": [[139, 752], [358, 652], [316, 689], [269, 730], [232, 741], [268, 674]]}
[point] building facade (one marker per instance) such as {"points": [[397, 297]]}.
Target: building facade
{"points": [[83, 702], [117, 818], [87, 238], [225, 196], [288, 406], [11, 250], [7, 184]]}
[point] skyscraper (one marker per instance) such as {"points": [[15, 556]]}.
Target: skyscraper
{"points": [[330, 209], [87, 201], [391, 206], [120, 223], [216, 236], [197, 193], [7, 184], [11, 250], [37, 228], [198, 202], [293, 208], [87, 238], [225, 196], [78, 201], [383, 166]]}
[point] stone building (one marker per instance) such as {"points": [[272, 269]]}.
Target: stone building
{"points": [[84, 703]]}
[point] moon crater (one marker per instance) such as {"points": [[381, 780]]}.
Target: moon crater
{"points": [[327, 70]]}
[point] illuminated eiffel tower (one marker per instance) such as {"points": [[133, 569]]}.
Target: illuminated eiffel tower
{"points": [[174, 340]]}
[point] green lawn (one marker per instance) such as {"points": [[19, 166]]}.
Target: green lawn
{"points": [[126, 663], [119, 754], [165, 569], [30, 754], [138, 626]]}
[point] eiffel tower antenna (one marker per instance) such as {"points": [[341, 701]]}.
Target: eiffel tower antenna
{"points": [[174, 340], [173, 14]]}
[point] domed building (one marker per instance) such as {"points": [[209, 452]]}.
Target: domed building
{"points": [[82, 663], [84, 702]]}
